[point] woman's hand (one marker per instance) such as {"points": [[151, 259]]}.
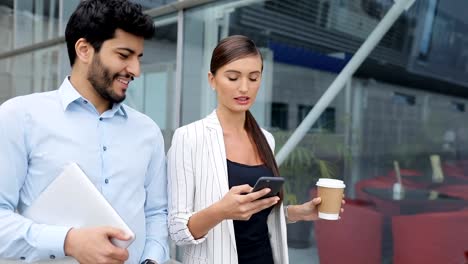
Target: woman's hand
{"points": [[240, 203], [307, 211]]}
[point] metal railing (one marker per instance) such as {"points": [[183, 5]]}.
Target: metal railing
{"points": [[337, 85]]}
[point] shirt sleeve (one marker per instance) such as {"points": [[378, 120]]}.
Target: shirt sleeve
{"points": [[181, 189], [21, 238], [157, 237]]}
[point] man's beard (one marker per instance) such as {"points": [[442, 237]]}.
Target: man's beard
{"points": [[101, 79]]}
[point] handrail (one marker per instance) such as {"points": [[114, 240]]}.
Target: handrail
{"points": [[363, 52]]}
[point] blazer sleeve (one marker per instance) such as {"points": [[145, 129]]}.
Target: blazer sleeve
{"points": [[181, 188]]}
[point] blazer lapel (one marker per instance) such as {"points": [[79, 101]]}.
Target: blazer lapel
{"points": [[217, 152]]}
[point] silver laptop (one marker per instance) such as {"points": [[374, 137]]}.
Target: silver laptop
{"points": [[73, 200]]}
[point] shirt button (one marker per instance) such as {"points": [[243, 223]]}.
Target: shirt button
{"points": [[52, 257], [85, 102], [106, 181], [104, 148], [100, 119], [22, 258]]}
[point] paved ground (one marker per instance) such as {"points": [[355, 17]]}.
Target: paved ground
{"points": [[296, 256]]}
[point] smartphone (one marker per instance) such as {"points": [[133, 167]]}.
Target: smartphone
{"points": [[274, 183]]}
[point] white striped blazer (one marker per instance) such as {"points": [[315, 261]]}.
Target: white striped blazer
{"points": [[197, 176]]}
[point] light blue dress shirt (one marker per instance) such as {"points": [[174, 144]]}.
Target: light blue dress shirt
{"points": [[121, 151]]}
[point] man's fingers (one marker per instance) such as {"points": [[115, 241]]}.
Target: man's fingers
{"points": [[120, 254], [116, 233]]}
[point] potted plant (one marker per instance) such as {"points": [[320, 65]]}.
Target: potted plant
{"points": [[301, 170]]}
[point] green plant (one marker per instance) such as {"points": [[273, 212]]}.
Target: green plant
{"points": [[303, 167]]}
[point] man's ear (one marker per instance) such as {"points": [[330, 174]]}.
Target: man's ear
{"points": [[84, 51]]}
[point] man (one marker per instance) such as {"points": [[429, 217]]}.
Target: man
{"points": [[84, 121]]}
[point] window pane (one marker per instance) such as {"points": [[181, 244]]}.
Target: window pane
{"points": [[149, 4], [398, 115], [153, 92]]}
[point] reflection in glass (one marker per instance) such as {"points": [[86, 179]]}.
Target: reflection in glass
{"points": [[379, 119], [38, 71], [153, 92], [148, 4]]}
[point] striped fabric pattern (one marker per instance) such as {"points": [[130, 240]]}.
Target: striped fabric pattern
{"points": [[197, 176]]}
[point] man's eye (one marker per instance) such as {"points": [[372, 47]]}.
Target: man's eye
{"points": [[253, 79], [123, 56], [232, 79]]}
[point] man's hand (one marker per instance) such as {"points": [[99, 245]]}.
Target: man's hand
{"points": [[93, 245]]}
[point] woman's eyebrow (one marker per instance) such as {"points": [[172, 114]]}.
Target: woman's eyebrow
{"points": [[238, 72], [233, 71]]}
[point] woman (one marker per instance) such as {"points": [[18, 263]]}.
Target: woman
{"points": [[213, 164]]}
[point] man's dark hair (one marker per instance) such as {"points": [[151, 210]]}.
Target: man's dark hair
{"points": [[97, 20]]}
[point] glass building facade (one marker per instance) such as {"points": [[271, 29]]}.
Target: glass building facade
{"points": [[401, 116]]}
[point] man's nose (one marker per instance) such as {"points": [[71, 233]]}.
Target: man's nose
{"points": [[133, 67]]}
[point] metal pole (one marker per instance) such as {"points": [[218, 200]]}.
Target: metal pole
{"points": [[177, 115], [371, 42]]}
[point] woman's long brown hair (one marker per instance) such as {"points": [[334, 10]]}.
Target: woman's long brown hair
{"points": [[228, 50]]}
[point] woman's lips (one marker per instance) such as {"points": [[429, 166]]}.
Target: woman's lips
{"points": [[242, 100]]}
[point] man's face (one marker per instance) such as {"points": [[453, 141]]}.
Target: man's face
{"points": [[115, 66]]}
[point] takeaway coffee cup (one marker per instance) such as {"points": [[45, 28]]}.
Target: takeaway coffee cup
{"points": [[331, 192]]}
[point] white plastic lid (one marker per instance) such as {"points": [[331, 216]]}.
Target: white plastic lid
{"points": [[330, 183]]}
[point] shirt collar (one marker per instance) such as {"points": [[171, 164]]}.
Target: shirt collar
{"points": [[68, 94], [117, 109]]}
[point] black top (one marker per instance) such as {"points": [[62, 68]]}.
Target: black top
{"points": [[252, 239]]}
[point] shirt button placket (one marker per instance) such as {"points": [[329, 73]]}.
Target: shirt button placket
{"points": [[104, 149]]}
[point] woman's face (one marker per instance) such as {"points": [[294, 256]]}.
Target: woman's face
{"points": [[237, 83]]}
